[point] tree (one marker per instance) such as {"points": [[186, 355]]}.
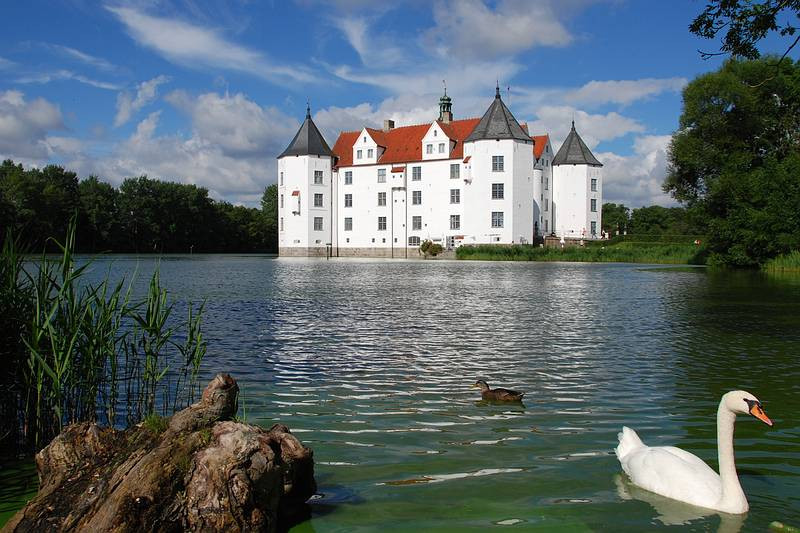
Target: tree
{"points": [[269, 211], [746, 22], [615, 218], [430, 248], [731, 131], [99, 215]]}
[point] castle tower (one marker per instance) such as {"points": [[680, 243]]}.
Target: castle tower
{"points": [[445, 108], [577, 189], [306, 190], [501, 190]]}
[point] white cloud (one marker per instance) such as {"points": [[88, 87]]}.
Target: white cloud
{"points": [[470, 29], [83, 57], [593, 128], [374, 49], [60, 75], [635, 180], [197, 47], [623, 91], [145, 93], [24, 127], [6, 63]]}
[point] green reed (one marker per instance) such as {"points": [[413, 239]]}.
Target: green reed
{"points": [[784, 263], [623, 252], [77, 350]]}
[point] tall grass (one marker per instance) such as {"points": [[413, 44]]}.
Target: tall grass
{"points": [[88, 351], [784, 263], [623, 252]]}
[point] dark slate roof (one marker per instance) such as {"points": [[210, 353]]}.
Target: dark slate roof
{"points": [[575, 152], [308, 141], [498, 123]]}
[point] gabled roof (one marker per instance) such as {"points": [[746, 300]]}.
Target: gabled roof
{"points": [[498, 123], [404, 144], [539, 142], [308, 140], [575, 152]]}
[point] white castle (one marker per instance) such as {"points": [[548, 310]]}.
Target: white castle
{"points": [[380, 193]]}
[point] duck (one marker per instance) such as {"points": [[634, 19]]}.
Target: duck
{"points": [[680, 475], [498, 394]]}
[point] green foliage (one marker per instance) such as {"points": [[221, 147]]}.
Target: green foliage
{"points": [[615, 218], [269, 210], [75, 350], [430, 248], [746, 22], [624, 252], [784, 263], [155, 423], [144, 215], [734, 160]]}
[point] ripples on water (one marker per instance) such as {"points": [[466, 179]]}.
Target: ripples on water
{"points": [[370, 363]]}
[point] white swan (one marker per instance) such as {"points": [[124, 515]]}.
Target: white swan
{"points": [[682, 476]]}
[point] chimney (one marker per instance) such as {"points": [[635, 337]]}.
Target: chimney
{"points": [[388, 125]]}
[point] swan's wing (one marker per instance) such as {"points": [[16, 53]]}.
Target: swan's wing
{"points": [[673, 473]]}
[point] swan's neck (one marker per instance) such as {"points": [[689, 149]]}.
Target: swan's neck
{"points": [[732, 493]]}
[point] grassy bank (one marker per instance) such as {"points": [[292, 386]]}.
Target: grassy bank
{"points": [[784, 263], [622, 252]]}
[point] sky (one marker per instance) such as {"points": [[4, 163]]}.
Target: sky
{"points": [[210, 93]]}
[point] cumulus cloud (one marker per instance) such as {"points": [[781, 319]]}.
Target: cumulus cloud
{"points": [[623, 91], [198, 46], [471, 29], [372, 49], [593, 128], [635, 180], [127, 105], [25, 126], [60, 75]]}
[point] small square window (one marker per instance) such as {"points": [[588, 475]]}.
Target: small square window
{"points": [[416, 223], [381, 175], [317, 223], [429, 149], [317, 177], [416, 197], [498, 191], [455, 196], [497, 163], [369, 153], [381, 198], [594, 205], [348, 177], [348, 224], [497, 219], [416, 173], [358, 154], [594, 184], [441, 148], [455, 221], [454, 171], [317, 199], [348, 200], [381, 223], [413, 241]]}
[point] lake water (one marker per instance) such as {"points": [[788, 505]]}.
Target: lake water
{"points": [[371, 362]]}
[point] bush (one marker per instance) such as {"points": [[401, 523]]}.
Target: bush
{"points": [[429, 248]]}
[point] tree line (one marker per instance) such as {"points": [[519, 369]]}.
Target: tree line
{"points": [[651, 220], [142, 215]]}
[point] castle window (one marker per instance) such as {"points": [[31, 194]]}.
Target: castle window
{"points": [[381, 175], [381, 223], [317, 177], [365, 139], [416, 173], [429, 149], [416, 197], [594, 184], [594, 205], [317, 199], [594, 228], [455, 221], [413, 241], [545, 226], [369, 153], [281, 223], [317, 223], [498, 191], [281, 201], [348, 224], [546, 203], [497, 163], [454, 171], [547, 183], [441, 148], [348, 200], [381, 198], [416, 223], [455, 196], [434, 133], [497, 219], [348, 177], [281, 178], [358, 154]]}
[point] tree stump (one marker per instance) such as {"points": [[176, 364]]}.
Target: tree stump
{"points": [[204, 472]]}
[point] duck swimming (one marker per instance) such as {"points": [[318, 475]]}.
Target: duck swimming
{"points": [[498, 394]]}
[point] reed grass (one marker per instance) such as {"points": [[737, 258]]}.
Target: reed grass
{"points": [[84, 351], [623, 252], [784, 263]]}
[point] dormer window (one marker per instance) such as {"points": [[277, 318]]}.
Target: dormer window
{"points": [[365, 140], [441, 148], [434, 133], [429, 149], [358, 154], [369, 153]]}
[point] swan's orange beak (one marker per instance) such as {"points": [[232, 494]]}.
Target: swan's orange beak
{"points": [[759, 413]]}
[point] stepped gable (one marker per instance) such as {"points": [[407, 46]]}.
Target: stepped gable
{"points": [[539, 142], [308, 140], [403, 144], [498, 123], [575, 152]]}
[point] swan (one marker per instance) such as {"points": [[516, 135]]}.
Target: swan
{"points": [[683, 476]]}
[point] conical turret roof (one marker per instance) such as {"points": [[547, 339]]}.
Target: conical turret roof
{"points": [[575, 152], [308, 141], [498, 123]]}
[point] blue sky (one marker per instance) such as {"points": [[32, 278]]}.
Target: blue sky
{"points": [[210, 92]]}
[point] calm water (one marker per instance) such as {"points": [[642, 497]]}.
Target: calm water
{"points": [[370, 363]]}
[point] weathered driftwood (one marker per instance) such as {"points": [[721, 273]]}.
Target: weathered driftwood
{"points": [[204, 472]]}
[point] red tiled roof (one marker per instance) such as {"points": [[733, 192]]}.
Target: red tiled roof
{"points": [[404, 144], [539, 142], [398, 169], [466, 159]]}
